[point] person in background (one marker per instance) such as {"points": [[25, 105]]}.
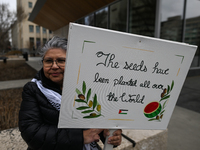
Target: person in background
{"points": [[39, 111]]}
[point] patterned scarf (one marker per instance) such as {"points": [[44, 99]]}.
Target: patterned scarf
{"points": [[55, 99]]}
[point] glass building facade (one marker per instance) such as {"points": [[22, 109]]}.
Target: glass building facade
{"points": [[166, 19]]}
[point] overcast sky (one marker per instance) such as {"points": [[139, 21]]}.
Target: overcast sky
{"points": [[12, 4]]}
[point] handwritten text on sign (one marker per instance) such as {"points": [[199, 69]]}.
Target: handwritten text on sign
{"points": [[108, 61]]}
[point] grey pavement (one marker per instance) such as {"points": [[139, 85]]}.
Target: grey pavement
{"points": [[13, 84], [184, 125], [35, 62], [184, 130]]}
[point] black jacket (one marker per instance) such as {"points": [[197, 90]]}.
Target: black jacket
{"points": [[38, 120]]}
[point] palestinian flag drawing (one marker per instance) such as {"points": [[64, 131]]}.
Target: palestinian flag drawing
{"points": [[123, 111]]}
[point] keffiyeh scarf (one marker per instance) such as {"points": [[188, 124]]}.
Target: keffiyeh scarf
{"points": [[55, 99]]}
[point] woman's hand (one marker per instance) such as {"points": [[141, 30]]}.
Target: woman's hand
{"points": [[91, 135], [115, 139]]}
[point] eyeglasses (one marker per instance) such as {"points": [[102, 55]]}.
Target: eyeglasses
{"points": [[48, 63]]}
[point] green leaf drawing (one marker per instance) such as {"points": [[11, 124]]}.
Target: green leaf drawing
{"points": [[78, 92], [152, 119], [168, 89], [95, 101], [87, 111], [88, 94], [80, 101], [84, 44], [164, 104], [90, 105], [172, 85], [82, 107], [88, 117], [162, 112], [165, 97], [84, 87]]}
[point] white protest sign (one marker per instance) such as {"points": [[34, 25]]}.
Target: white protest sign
{"points": [[118, 80]]}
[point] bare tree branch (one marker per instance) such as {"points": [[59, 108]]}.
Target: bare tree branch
{"points": [[7, 18]]}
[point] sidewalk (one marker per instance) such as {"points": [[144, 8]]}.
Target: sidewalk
{"points": [[13, 84], [184, 126], [35, 62], [184, 130]]}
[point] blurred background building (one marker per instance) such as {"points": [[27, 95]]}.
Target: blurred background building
{"points": [[28, 36], [166, 19]]}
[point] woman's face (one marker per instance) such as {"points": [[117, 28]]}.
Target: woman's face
{"points": [[55, 72]]}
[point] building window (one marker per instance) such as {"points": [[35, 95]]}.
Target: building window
{"points": [[44, 40], [31, 42], [30, 4], [171, 23], [89, 20], [192, 28], [44, 30], [102, 18], [50, 32], [81, 21], [37, 29], [38, 42], [142, 17], [31, 29], [118, 16]]}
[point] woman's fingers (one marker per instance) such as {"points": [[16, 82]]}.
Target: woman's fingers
{"points": [[106, 133], [116, 138], [118, 132], [91, 135]]}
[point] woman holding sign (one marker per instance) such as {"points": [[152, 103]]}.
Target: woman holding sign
{"points": [[39, 112]]}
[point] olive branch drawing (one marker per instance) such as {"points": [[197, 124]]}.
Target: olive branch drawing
{"points": [[165, 95], [91, 106]]}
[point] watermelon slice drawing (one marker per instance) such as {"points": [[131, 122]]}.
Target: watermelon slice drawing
{"points": [[152, 109]]}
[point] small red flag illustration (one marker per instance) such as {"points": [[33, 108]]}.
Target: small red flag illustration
{"points": [[123, 111]]}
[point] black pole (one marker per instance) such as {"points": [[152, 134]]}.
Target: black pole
{"points": [[183, 22], [129, 139]]}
